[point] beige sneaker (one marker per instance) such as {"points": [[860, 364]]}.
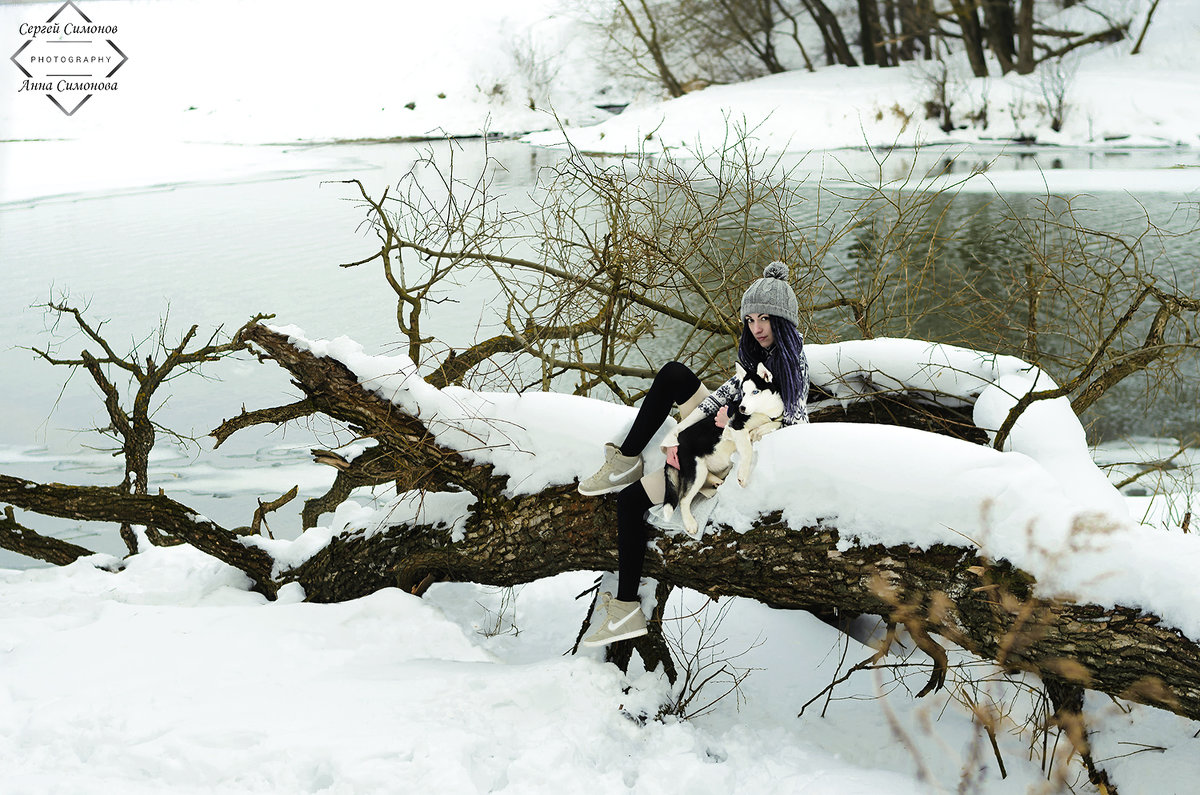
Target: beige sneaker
{"points": [[624, 620], [618, 472]]}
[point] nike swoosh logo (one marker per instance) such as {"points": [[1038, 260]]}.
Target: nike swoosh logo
{"points": [[617, 476], [612, 625]]}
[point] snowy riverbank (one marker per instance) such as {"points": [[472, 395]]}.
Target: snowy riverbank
{"points": [[1112, 100], [371, 70]]}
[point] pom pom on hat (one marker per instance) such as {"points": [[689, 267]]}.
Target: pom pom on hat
{"points": [[772, 295], [776, 270]]}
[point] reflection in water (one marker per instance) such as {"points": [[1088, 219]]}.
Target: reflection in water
{"points": [[1043, 278]]}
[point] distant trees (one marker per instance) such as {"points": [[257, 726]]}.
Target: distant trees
{"points": [[685, 43], [831, 33]]}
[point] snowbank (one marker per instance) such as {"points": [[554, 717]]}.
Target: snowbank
{"points": [[172, 677]]}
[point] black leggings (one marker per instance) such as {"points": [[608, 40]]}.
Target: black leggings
{"points": [[673, 385]]}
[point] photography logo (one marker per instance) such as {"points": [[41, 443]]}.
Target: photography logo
{"points": [[68, 58]]}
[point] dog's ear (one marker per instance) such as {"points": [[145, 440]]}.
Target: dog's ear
{"points": [[764, 373], [741, 371]]}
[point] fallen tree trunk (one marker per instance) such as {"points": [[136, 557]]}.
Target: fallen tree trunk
{"points": [[987, 607]]}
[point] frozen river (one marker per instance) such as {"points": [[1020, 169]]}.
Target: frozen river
{"points": [[215, 234]]}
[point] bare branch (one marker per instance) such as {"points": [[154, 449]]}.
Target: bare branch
{"points": [[260, 513], [20, 539], [276, 416], [105, 504]]}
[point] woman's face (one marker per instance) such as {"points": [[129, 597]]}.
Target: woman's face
{"points": [[760, 326]]}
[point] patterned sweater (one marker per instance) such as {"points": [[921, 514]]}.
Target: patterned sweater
{"points": [[730, 393]]}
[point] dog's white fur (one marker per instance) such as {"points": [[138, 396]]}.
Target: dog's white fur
{"points": [[765, 410]]}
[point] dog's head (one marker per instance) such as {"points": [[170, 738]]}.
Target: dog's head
{"points": [[760, 395]]}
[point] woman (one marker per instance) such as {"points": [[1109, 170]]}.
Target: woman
{"points": [[770, 313]]}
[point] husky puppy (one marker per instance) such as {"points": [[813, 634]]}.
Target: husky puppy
{"points": [[706, 449]]}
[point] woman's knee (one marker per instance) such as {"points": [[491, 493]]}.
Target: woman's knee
{"points": [[682, 380], [674, 370]]}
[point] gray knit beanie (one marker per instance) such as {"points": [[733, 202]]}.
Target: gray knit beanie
{"points": [[771, 295]]}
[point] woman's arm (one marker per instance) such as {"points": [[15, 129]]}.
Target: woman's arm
{"points": [[725, 394]]}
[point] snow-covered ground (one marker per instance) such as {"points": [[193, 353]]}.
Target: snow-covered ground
{"points": [[173, 677], [254, 72], [1114, 99]]}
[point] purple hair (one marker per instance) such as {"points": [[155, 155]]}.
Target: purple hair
{"points": [[785, 359]]}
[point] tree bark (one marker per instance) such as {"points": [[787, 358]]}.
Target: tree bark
{"points": [[998, 17], [831, 32], [972, 35], [1025, 59], [30, 543], [868, 23]]}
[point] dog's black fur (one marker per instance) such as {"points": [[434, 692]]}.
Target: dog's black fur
{"points": [[695, 442], [699, 441]]}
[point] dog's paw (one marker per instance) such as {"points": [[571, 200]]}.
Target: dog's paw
{"points": [[691, 526], [757, 434], [743, 476]]}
